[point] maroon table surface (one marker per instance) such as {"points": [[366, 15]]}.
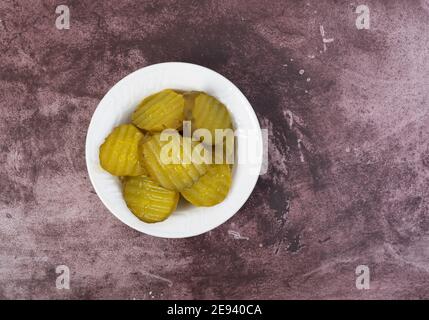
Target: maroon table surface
{"points": [[347, 184]]}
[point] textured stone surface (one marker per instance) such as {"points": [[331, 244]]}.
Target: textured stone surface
{"points": [[349, 155]]}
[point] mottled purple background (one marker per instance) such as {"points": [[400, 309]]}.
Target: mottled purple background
{"points": [[355, 192]]}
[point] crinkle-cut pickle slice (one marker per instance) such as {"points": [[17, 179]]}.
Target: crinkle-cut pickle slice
{"points": [[189, 97], [119, 153], [211, 189], [209, 113], [224, 153], [178, 174], [147, 200], [160, 111]]}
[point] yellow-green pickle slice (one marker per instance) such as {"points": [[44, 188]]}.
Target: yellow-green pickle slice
{"points": [[119, 153], [177, 172], [160, 111], [211, 189], [147, 200], [209, 113], [189, 97]]}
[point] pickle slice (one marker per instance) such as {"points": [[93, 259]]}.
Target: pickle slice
{"points": [[160, 111], [209, 113], [189, 97], [171, 165], [224, 153], [147, 200], [211, 189], [119, 153]]}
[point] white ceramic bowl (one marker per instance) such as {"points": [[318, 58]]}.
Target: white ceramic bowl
{"points": [[116, 108]]}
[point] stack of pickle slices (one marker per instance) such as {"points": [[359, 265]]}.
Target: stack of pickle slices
{"points": [[134, 152]]}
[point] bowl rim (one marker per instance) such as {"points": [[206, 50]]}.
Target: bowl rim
{"points": [[251, 184]]}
